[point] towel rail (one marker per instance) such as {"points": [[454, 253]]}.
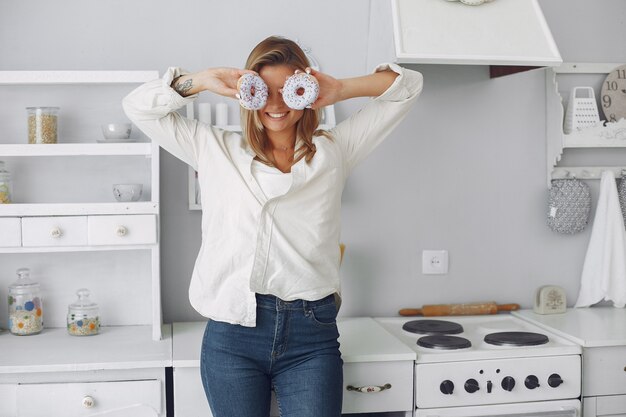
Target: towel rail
{"points": [[587, 173]]}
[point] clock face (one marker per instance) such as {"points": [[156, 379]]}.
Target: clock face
{"points": [[613, 94]]}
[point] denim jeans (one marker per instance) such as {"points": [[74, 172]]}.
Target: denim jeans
{"points": [[293, 350]]}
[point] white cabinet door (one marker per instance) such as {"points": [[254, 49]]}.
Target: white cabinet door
{"points": [[102, 399], [604, 371], [10, 232], [189, 397], [122, 230], [54, 231], [611, 405]]}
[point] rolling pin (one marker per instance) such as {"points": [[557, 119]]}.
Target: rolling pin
{"points": [[458, 309]]}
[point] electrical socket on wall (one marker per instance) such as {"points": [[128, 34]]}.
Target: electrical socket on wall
{"points": [[434, 262]]}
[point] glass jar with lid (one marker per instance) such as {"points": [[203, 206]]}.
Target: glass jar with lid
{"points": [[82, 315], [6, 187], [25, 306], [42, 124]]}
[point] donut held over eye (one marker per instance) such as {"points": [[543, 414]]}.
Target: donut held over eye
{"points": [[252, 92], [300, 91]]}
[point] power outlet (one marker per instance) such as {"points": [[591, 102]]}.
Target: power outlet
{"points": [[434, 262]]}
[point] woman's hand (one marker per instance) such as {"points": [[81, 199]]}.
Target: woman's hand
{"points": [[222, 81], [330, 89]]}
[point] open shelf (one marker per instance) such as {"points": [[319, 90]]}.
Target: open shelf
{"points": [[76, 149], [604, 135], [71, 209], [75, 77]]}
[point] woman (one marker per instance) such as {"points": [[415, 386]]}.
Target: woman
{"points": [[267, 271]]}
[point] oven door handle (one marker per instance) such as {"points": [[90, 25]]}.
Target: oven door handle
{"points": [[369, 389]]}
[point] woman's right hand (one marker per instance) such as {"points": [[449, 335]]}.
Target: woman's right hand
{"points": [[222, 81]]}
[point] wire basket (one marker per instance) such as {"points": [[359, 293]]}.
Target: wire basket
{"points": [[582, 110]]}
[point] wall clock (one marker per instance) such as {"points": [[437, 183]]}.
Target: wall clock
{"points": [[613, 94]]}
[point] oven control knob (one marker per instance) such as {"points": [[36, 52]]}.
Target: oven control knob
{"points": [[508, 383], [471, 385], [446, 387], [531, 382], [555, 380]]}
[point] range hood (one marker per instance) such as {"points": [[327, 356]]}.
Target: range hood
{"points": [[496, 33]]}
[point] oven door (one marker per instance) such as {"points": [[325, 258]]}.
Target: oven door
{"points": [[565, 408]]}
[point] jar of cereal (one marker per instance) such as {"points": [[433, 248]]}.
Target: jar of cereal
{"points": [[5, 185], [82, 315], [42, 124], [25, 307]]}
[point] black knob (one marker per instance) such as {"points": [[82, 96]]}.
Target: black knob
{"points": [[508, 382], [555, 380], [446, 387], [471, 385], [531, 382]]}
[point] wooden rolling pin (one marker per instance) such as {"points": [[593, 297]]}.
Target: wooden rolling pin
{"points": [[458, 309]]}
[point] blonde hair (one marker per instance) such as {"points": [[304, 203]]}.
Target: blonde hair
{"points": [[280, 51]]}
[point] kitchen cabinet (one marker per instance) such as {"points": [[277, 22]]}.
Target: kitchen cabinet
{"points": [[65, 225], [610, 135], [601, 331], [372, 359]]}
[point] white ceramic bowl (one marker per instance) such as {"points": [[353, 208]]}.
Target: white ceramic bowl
{"points": [[127, 192], [116, 131]]}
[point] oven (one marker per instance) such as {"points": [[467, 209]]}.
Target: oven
{"points": [[494, 365]]}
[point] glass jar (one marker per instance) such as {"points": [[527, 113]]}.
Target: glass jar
{"points": [[6, 187], [42, 124], [25, 306], [82, 315]]}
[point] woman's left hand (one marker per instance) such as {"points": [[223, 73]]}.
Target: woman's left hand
{"points": [[330, 89]]}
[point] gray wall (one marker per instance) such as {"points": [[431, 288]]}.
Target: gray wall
{"points": [[465, 172]]}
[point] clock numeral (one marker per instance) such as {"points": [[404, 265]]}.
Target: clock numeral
{"points": [[611, 85], [606, 101], [612, 118], [621, 74]]}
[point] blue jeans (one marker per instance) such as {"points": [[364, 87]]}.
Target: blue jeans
{"points": [[293, 350]]}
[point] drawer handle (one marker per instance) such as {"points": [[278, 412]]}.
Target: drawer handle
{"points": [[56, 232], [121, 231], [88, 402], [367, 389]]}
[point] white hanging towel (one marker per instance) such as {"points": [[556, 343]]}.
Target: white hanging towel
{"points": [[604, 270]]}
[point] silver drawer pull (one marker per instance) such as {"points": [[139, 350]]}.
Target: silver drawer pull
{"points": [[56, 232], [367, 389], [121, 231], [88, 402]]}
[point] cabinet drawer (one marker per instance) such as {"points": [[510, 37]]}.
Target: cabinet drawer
{"points": [[10, 232], [113, 399], [398, 397], [54, 231], [604, 371], [122, 230]]}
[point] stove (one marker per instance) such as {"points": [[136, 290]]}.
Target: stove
{"points": [[489, 361]]}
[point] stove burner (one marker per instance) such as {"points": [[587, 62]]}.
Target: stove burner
{"points": [[516, 339], [432, 327], [444, 342]]}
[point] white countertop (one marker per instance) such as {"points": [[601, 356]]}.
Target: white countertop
{"points": [[361, 340], [589, 327], [116, 347]]}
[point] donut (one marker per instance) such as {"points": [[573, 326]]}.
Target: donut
{"points": [[252, 92], [304, 81]]}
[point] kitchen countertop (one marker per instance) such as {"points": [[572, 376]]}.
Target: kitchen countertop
{"points": [[589, 327], [362, 339]]}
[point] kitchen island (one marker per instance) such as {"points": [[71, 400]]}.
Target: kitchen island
{"points": [[601, 331]]}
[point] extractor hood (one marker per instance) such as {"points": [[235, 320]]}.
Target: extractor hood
{"points": [[495, 33]]}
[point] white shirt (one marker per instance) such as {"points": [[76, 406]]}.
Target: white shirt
{"points": [[273, 182], [287, 245]]}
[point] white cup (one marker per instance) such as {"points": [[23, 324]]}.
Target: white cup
{"points": [[221, 114], [204, 112]]}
